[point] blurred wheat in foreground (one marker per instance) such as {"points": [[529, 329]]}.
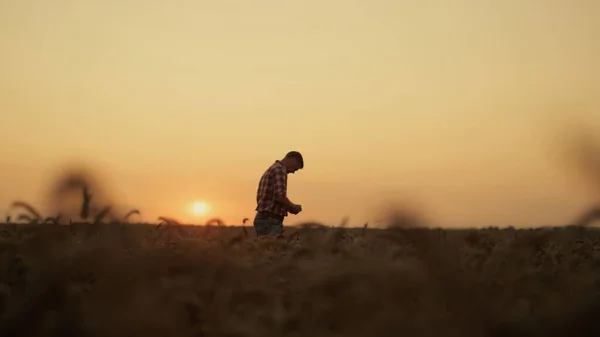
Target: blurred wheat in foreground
{"points": [[139, 280]]}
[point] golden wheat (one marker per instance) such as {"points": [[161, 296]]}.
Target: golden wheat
{"points": [[317, 281]]}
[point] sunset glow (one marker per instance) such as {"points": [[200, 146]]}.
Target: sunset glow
{"points": [[454, 108], [199, 208]]}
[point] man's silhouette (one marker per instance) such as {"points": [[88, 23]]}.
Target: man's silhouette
{"points": [[272, 202]]}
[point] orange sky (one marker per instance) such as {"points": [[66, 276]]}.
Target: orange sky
{"points": [[450, 103]]}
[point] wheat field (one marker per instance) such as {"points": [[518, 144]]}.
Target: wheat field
{"points": [[117, 279]]}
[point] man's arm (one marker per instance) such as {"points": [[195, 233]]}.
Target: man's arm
{"points": [[291, 207], [285, 201], [280, 179]]}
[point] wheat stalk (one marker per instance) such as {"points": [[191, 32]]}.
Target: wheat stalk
{"points": [[131, 213], [32, 211]]}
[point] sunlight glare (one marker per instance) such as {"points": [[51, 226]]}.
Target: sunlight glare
{"points": [[199, 208]]}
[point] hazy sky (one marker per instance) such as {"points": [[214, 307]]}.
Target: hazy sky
{"points": [[452, 104]]}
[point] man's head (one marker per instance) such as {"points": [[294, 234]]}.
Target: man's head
{"points": [[293, 161]]}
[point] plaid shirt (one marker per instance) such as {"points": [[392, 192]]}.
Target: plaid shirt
{"points": [[273, 184]]}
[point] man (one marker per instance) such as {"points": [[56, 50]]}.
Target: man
{"points": [[272, 202]]}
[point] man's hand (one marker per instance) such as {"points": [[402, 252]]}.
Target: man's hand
{"points": [[295, 209]]}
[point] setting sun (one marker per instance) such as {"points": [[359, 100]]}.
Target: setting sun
{"points": [[199, 208]]}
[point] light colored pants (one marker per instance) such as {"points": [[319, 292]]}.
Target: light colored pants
{"points": [[267, 226]]}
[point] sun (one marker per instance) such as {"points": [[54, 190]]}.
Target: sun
{"points": [[199, 208]]}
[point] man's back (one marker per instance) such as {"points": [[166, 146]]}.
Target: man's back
{"points": [[272, 185]]}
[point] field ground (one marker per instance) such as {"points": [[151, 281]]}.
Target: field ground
{"points": [[142, 280]]}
